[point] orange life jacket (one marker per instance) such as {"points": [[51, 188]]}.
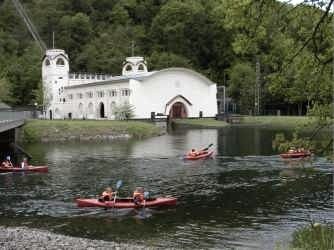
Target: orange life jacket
{"points": [[138, 195]]}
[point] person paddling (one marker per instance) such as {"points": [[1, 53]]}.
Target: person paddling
{"points": [[7, 163], [107, 195], [138, 195]]}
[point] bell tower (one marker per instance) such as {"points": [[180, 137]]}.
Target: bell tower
{"points": [[55, 73], [134, 65]]}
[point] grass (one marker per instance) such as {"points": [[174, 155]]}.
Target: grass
{"points": [[315, 236], [63, 130], [278, 121], [203, 122]]}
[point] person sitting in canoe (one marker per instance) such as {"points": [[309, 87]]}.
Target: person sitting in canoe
{"points": [[107, 195], [7, 163], [292, 150], [193, 153], [24, 163], [138, 195]]}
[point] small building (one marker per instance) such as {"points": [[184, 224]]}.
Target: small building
{"points": [[177, 92]]}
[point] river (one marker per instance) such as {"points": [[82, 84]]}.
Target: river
{"points": [[246, 197]]}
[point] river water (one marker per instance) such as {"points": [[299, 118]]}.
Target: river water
{"points": [[246, 197]]}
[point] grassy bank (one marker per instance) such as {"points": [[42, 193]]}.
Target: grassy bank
{"points": [[200, 123], [278, 121], [64, 130], [314, 236]]}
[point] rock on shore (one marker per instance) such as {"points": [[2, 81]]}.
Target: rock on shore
{"points": [[27, 238]]}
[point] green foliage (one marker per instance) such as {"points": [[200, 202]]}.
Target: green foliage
{"points": [[242, 86], [314, 236], [282, 145], [220, 39], [124, 111]]}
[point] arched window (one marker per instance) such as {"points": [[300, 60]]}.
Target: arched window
{"points": [[60, 61], [128, 68], [90, 108], [47, 62], [141, 67]]}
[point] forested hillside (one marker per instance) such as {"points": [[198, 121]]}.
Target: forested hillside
{"points": [[292, 46]]}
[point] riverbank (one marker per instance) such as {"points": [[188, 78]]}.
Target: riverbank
{"points": [[27, 238], [287, 122], [279, 121], [200, 123], [69, 130]]}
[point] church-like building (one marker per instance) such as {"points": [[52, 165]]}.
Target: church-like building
{"points": [[177, 92]]}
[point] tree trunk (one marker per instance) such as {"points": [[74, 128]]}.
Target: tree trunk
{"points": [[300, 109]]}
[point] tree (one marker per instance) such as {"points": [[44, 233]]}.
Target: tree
{"points": [[124, 111]]}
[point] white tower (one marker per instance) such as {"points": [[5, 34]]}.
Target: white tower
{"points": [[134, 65], [55, 73]]}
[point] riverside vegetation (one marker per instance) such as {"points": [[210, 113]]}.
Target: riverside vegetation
{"points": [[64, 130]]}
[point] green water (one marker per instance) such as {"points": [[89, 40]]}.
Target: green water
{"points": [[245, 197]]}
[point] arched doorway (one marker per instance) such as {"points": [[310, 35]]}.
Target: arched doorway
{"points": [[50, 114], [178, 110], [101, 108]]}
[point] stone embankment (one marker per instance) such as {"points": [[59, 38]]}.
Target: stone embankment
{"points": [[26, 238]]}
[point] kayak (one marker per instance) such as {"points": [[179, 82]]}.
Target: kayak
{"points": [[27, 169], [296, 155], [127, 203], [203, 155]]}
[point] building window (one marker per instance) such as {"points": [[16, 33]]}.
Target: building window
{"points": [[79, 95], [98, 77], [89, 94], [141, 67], [82, 76], [100, 94], [70, 96], [125, 92], [47, 62], [112, 93], [76, 76], [87, 76], [60, 61], [128, 68], [103, 77]]}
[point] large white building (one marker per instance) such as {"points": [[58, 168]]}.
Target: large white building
{"points": [[177, 92]]}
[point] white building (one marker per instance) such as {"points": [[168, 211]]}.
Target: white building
{"points": [[177, 92]]}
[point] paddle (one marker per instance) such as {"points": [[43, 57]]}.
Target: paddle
{"points": [[205, 149], [146, 195], [118, 185]]}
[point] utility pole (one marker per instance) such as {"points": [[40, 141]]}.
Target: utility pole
{"points": [[257, 87], [133, 48]]}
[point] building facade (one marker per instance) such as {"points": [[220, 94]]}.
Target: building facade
{"points": [[177, 92]]}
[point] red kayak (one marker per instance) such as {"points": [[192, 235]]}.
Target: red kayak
{"points": [[296, 155], [127, 203], [202, 155], [27, 169]]}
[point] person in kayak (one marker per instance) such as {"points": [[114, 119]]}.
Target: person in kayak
{"points": [[24, 163], [193, 153], [107, 195], [7, 163], [138, 195]]}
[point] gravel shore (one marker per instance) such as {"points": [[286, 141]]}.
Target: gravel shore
{"points": [[26, 238]]}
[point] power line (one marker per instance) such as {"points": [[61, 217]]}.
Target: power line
{"points": [[31, 27]]}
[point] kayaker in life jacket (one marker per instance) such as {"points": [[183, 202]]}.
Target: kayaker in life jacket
{"points": [[107, 195], [7, 163], [193, 153], [138, 195]]}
